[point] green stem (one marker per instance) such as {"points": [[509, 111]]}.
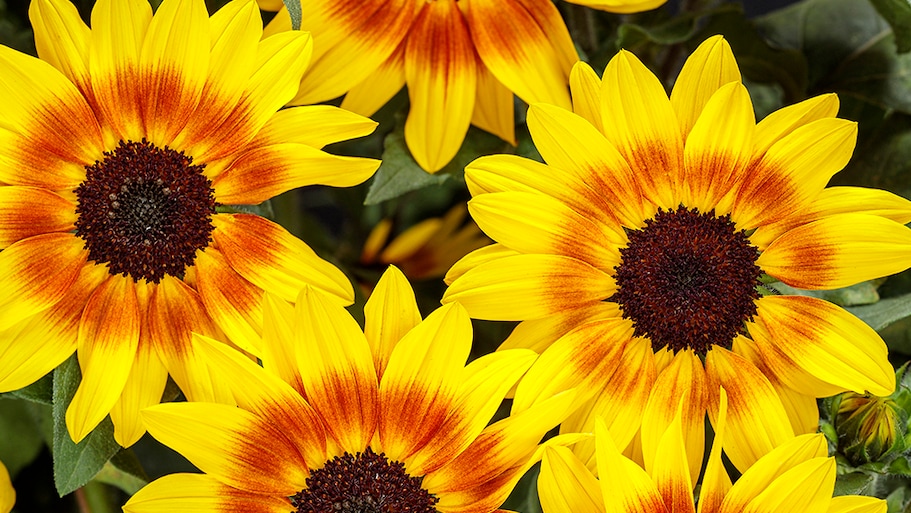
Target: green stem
{"points": [[94, 498]]}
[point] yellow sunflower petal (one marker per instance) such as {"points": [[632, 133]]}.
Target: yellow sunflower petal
{"points": [[756, 418], [684, 379], [173, 65], [62, 39], [379, 87], [267, 171], [784, 368], [719, 146], [280, 60], [771, 467], [175, 313], [232, 445], [118, 31], [337, 369], [640, 122], [441, 73], [144, 386], [421, 380], [838, 251], [526, 46], [716, 482], [709, 67], [801, 408], [793, 171], [355, 37], [856, 504], [585, 86], [497, 457], [784, 121], [231, 301], [49, 132], [54, 334], [572, 185], [828, 342], [806, 487], [28, 211], [266, 395], [670, 470], [271, 258], [539, 334], [620, 402], [621, 6], [583, 359], [280, 357], [838, 200], [877, 202], [201, 493], [476, 258], [7, 492], [528, 287], [234, 32], [494, 106], [108, 339], [626, 488], [482, 385], [566, 486], [35, 274], [572, 145], [531, 223], [313, 125], [390, 312]]}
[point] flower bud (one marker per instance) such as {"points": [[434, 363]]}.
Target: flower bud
{"points": [[867, 427]]}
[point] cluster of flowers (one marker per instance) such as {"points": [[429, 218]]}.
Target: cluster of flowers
{"points": [[637, 259]]}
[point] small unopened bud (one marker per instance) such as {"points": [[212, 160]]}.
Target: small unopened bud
{"points": [[867, 427]]}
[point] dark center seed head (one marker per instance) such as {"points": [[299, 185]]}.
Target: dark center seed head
{"points": [[364, 483], [144, 211], [688, 280]]}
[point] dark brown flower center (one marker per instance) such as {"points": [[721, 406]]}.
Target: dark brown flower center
{"points": [[144, 211], [364, 483], [688, 280]]}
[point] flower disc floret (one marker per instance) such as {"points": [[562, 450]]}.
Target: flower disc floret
{"points": [[687, 280], [145, 211], [366, 482]]}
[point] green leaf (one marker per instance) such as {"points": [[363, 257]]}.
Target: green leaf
{"points": [[898, 14], [850, 49], [677, 29], [900, 466], [75, 464], [885, 312], [854, 483], [863, 293], [399, 173], [882, 158], [41, 391], [294, 9], [20, 440], [759, 61]]}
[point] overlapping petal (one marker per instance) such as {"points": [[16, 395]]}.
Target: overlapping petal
{"points": [[441, 72]]}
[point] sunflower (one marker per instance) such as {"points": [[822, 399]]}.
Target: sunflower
{"points": [[462, 61], [427, 249], [7, 492], [117, 150], [796, 476], [389, 419], [646, 244]]}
